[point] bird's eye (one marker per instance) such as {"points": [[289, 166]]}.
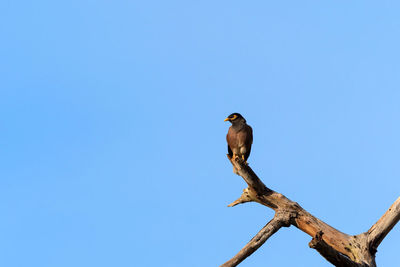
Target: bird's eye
{"points": [[234, 117]]}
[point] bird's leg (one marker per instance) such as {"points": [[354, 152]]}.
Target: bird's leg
{"points": [[245, 162]]}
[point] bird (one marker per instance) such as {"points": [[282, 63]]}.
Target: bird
{"points": [[239, 137]]}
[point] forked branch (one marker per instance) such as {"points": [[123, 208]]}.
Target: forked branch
{"points": [[338, 248]]}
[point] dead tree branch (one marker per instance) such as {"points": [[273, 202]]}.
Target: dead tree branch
{"points": [[257, 241], [338, 248], [382, 227]]}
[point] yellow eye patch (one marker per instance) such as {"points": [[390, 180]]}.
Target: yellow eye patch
{"points": [[234, 117]]}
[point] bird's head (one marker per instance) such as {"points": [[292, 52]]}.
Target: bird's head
{"points": [[235, 118]]}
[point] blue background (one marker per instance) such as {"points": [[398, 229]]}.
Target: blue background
{"points": [[112, 138]]}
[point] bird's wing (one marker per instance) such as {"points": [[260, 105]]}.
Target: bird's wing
{"points": [[230, 151], [249, 141]]}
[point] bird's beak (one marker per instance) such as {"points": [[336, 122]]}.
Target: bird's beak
{"points": [[227, 119]]}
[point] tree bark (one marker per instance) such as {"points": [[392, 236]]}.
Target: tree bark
{"points": [[257, 241], [338, 248]]}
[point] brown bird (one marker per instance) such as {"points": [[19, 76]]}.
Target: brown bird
{"points": [[239, 137]]}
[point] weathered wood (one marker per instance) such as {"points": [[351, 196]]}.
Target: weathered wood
{"points": [[330, 254], [338, 248], [257, 241], [383, 226]]}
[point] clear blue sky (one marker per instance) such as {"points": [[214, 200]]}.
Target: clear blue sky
{"points": [[113, 141]]}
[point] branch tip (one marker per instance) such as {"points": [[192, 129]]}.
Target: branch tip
{"points": [[245, 197]]}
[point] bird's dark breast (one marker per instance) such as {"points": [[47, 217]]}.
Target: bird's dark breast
{"points": [[232, 138]]}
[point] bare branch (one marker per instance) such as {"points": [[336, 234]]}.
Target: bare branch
{"points": [[383, 226], [257, 241], [309, 224], [249, 176], [330, 254], [338, 248], [245, 197]]}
